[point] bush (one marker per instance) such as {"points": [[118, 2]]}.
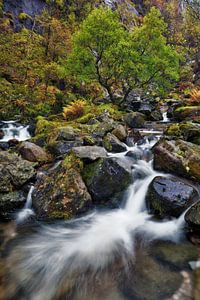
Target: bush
{"points": [[74, 110], [194, 97]]}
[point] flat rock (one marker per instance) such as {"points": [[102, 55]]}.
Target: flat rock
{"points": [[89, 152]]}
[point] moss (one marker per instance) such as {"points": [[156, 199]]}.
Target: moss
{"points": [[112, 109], [90, 169], [23, 16], [173, 130], [56, 214], [71, 161], [84, 119], [182, 108]]}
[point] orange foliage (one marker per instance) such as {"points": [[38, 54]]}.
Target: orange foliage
{"points": [[74, 110]]}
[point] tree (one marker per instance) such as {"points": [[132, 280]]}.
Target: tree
{"points": [[118, 59]]}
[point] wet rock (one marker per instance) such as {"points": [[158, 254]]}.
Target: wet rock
{"points": [[155, 116], [135, 120], [60, 194], [177, 157], [170, 196], [32, 152], [146, 109], [13, 142], [89, 152], [120, 132], [4, 145], [59, 148], [1, 134], [10, 203], [14, 171], [107, 177], [113, 144], [135, 135], [192, 216]]}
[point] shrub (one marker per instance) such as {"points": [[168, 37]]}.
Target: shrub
{"points": [[74, 110], [194, 97]]}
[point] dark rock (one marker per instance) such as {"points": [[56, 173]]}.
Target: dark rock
{"points": [[187, 113], [120, 132], [135, 155], [14, 171], [60, 194], [146, 108], [4, 146], [13, 142], [170, 196], [135, 120], [1, 134], [113, 144], [89, 152], [107, 177], [177, 157], [10, 203], [32, 152], [135, 135], [59, 148], [156, 116], [192, 216]]}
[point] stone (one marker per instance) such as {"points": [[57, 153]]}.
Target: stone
{"points": [[134, 120], [89, 152], [33, 152], [186, 130], [120, 132], [1, 134], [59, 148], [177, 157], [14, 171], [10, 203], [113, 144], [169, 196], [60, 194], [192, 216], [66, 134], [187, 113], [107, 177]]}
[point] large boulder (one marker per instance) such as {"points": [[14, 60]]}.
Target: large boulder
{"points": [[170, 196], [10, 203], [32, 152], [60, 193], [61, 148], [107, 177], [14, 171], [120, 132], [187, 113], [113, 144], [187, 130], [66, 134], [89, 152], [134, 120], [192, 216], [177, 157]]}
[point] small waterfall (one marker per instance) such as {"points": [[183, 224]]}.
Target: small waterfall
{"points": [[14, 131], [27, 211], [165, 118]]}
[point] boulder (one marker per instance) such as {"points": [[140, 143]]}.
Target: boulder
{"points": [[10, 203], [187, 113], [60, 194], [187, 130], [113, 144], [156, 116], [32, 152], [192, 216], [61, 148], [14, 171], [134, 120], [120, 132], [170, 196], [146, 109], [107, 177], [89, 152], [4, 146], [177, 157], [66, 134]]}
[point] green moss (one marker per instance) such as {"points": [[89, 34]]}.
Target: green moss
{"points": [[23, 16], [84, 119], [112, 109], [182, 108], [56, 214], [71, 161], [173, 130]]}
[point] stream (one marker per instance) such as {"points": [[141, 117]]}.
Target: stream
{"points": [[117, 254]]}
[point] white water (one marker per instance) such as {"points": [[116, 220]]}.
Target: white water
{"points": [[56, 253], [165, 118], [27, 211], [12, 131]]}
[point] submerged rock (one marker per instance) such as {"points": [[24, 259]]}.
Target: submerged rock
{"points": [[113, 144], [177, 157], [89, 152], [192, 216], [60, 194], [107, 177], [32, 152], [10, 203], [14, 171], [170, 196], [135, 120]]}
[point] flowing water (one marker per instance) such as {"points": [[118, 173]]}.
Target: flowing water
{"points": [[99, 256], [13, 130]]}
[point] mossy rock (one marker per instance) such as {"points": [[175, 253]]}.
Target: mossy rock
{"points": [[187, 113]]}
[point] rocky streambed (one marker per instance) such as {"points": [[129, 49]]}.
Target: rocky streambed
{"points": [[108, 210]]}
